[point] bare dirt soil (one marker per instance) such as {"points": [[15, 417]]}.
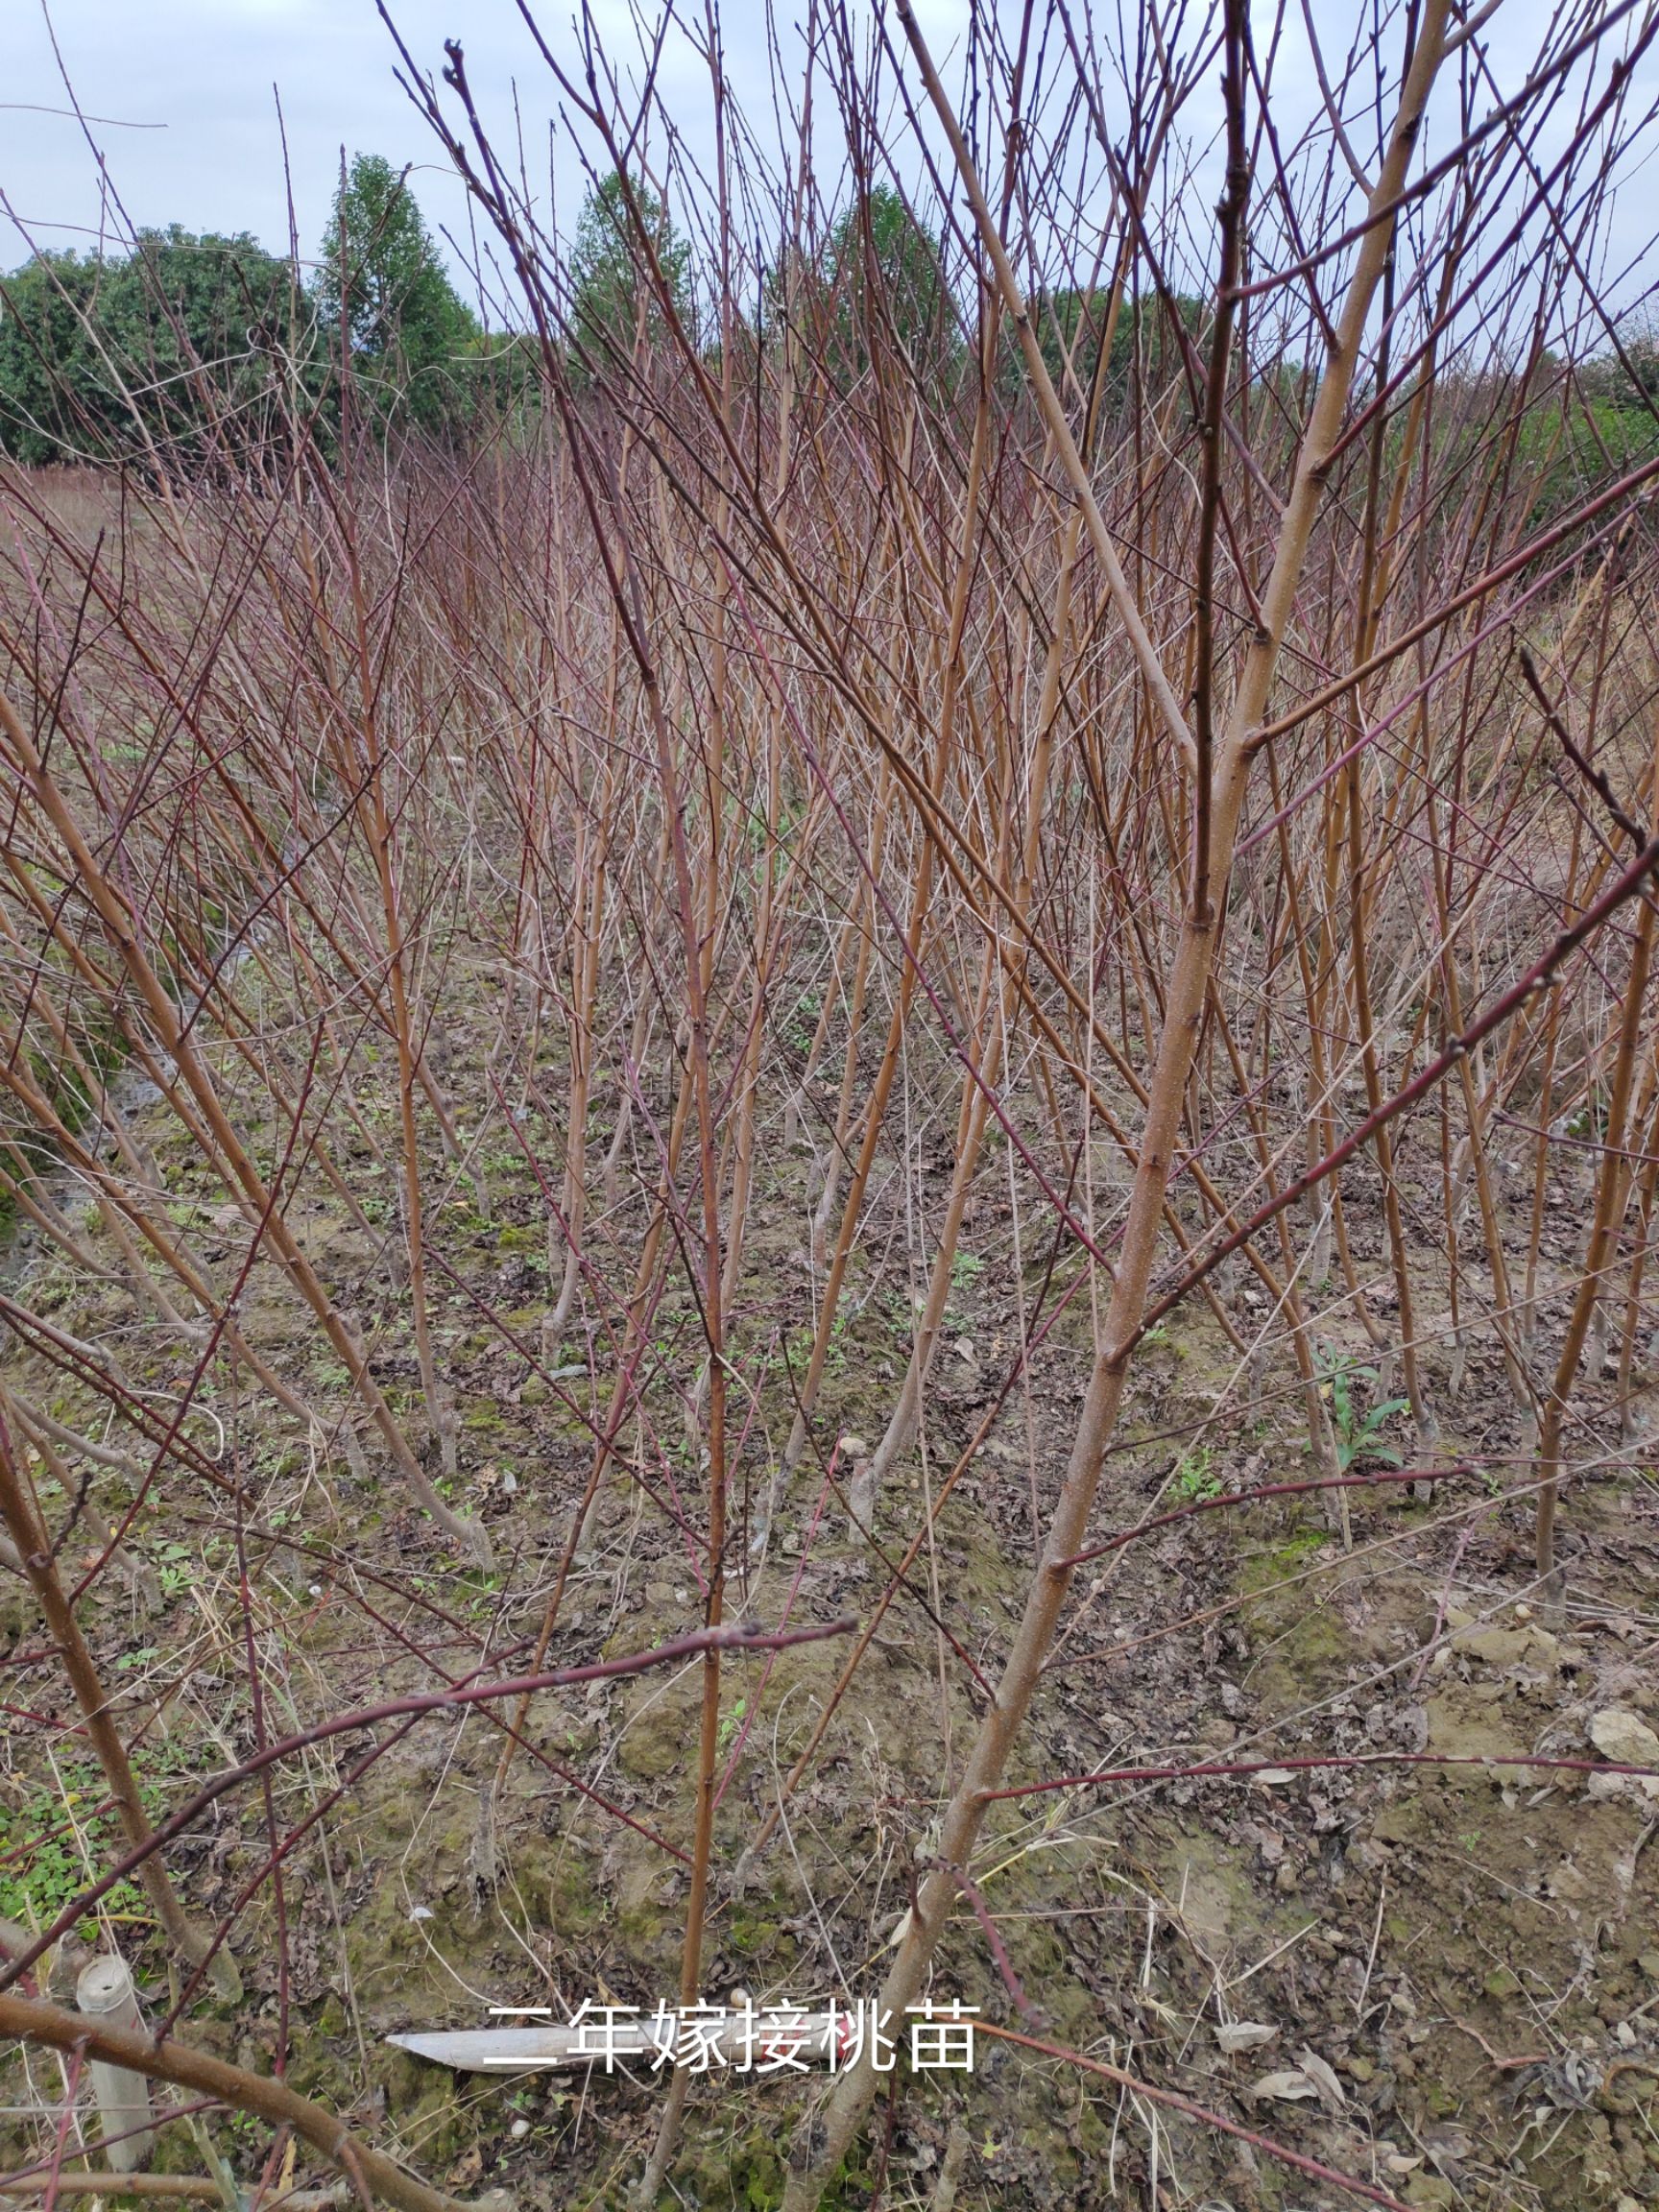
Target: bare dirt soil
{"points": [[1442, 1979]]}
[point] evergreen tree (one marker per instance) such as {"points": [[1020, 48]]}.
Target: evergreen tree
{"points": [[609, 283], [884, 273], [1070, 323], [411, 337]]}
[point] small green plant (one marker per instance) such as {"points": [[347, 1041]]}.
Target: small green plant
{"points": [[1589, 1120], [1194, 1479], [731, 1721], [796, 1355], [1358, 1430], [172, 1564], [41, 1863], [800, 1036]]}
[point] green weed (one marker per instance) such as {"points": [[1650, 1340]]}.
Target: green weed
{"points": [[1194, 1479], [1358, 1428]]}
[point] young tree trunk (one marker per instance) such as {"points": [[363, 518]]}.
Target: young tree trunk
{"points": [[34, 1545], [1217, 817]]}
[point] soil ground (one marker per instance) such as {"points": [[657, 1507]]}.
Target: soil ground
{"points": [[1472, 1953]]}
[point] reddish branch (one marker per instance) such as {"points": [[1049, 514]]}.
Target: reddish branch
{"points": [[417, 1704], [32, 2021], [1314, 2168]]}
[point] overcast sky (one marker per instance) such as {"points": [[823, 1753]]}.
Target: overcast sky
{"points": [[184, 91], [186, 94]]}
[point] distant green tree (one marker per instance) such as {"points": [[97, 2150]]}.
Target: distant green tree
{"points": [[887, 283], [188, 338], [381, 282], [221, 328], [1070, 325], [611, 286], [504, 369], [1629, 378], [55, 398]]}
